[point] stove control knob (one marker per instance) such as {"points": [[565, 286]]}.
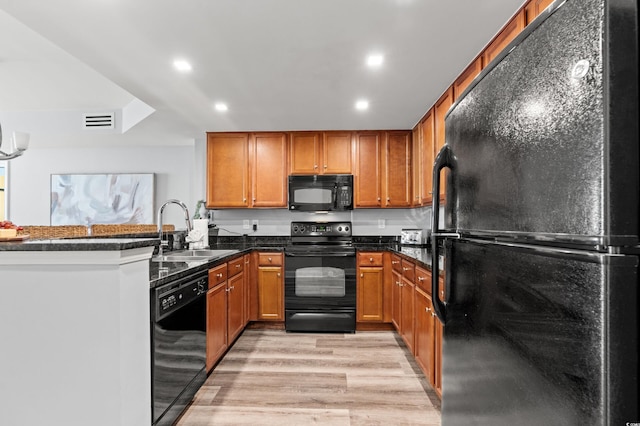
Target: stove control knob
{"points": [[339, 228], [346, 229], [295, 229]]}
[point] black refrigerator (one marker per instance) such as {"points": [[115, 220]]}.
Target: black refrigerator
{"points": [[539, 228]]}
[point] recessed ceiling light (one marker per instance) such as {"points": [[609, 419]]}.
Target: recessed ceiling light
{"points": [[362, 105], [182, 65], [375, 60], [221, 106]]}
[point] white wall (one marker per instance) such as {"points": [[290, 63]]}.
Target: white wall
{"points": [[175, 168]]}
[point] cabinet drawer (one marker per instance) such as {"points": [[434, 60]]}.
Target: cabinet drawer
{"points": [[370, 259], [235, 266], [217, 275], [396, 264], [270, 259], [408, 270], [423, 280]]}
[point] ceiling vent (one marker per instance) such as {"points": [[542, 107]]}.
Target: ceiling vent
{"points": [[99, 121]]}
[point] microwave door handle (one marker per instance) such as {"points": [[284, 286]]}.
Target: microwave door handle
{"points": [[335, 195]]}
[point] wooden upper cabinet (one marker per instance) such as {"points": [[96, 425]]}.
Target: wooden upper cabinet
{"points": [[227, 170], [321, 153], [305, 152], [440, 111], [268, 170], [416, 164], [397, 173], [426, 156], [467, 76], [367, 186], [508, 33], [535, 8], [337, 153], [246, 170]]}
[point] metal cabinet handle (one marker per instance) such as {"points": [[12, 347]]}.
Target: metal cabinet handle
{"points": [[421, 278], [361, 275], [315, 166], [405, 269], [325, 166], [278, 273], [238, 265], [393, 262], [219, 275], [270, 260], [427, 309], [371, 259]]}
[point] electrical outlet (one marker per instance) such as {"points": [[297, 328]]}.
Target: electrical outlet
{"points": [[246, 224], [255, 224], [381, 223]]}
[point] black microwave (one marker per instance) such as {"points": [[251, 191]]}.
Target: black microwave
{"points": [[310, 193]]}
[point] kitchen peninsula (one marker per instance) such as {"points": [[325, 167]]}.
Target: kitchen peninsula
{"points": [[74, 321]]}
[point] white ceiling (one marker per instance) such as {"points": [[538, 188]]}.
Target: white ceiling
{"points": [[278, 64]]}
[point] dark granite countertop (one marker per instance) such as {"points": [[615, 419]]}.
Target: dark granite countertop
{"points": [[79, 244], [163, 272]]}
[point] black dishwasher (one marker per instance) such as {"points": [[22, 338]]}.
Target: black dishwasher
{"points": [[178, 345]]}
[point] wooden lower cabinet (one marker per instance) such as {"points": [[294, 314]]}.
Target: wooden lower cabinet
{"points": [[438, 344], [248, 279], [425, 323], [406, 313], [226, 301], [370, 287], [270, 287], [235, 305], [216, 324]]}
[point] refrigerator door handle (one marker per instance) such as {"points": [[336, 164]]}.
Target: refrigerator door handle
{"points": [[444, 159]]}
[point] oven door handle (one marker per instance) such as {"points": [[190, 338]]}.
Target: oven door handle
{"points": [[319, 254]]}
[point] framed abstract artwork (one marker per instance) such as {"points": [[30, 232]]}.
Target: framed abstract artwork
{"points": [[87, 199]]}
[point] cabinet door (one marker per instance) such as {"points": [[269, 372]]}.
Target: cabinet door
{"points": [[304, 151], [270, 293], [269, 170], [427, 149], [235, 301], [535, 8], [406, 313], [216, 324], [417, 167], [438, 347], [337, 153], [247, 276], [227, 170], [425, 335], [508, 33], [440, 111], [370, 294], [396, 295], [467, 76], [367, 178], [397, 173]]}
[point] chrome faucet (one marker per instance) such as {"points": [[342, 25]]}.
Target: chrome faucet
{"points": [[165, 243]]}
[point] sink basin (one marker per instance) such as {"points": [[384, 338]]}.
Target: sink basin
{"points": [[192, 255]]}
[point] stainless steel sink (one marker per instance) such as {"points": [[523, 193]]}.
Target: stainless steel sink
{"points": [[192, 255]]}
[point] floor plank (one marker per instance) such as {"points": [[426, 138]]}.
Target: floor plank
{"points": [[270, 377]]}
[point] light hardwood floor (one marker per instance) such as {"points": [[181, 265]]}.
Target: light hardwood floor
{"points": [[270, 377]]}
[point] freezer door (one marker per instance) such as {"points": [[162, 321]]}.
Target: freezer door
{"points": [[546, 142], [538, 336]]}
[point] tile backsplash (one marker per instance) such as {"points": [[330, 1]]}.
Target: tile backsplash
{"points": [[278, 221]]}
